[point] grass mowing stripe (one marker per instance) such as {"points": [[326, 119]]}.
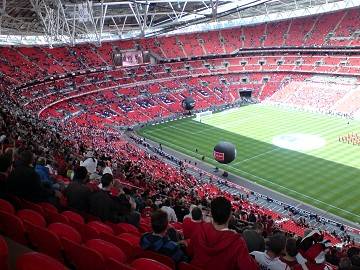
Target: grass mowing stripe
{"points": [[326, 177]]}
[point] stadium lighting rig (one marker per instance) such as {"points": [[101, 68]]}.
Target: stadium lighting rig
{"points": [[52, 22]]}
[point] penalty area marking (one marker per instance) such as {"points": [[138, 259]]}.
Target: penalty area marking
{"points": [[268, 181], [259, 155]]}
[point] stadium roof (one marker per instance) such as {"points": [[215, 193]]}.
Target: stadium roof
{"points": [[74, 21]]}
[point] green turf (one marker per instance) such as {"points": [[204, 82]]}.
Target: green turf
{"points": [[328, 177]]}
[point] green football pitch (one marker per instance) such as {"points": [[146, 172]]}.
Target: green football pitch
{"points": [[293, 152]]}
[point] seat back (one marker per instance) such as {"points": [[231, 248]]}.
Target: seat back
{"points": [[13, 227], [133, 239], [4, 254], [36, 261], [100, 227], [31, 216], [73, 217], [124, 245], [186, 266], [32, 206], [83, 258], [65, 231], [126, 228], [158, 257], [48, 207], [148, 264], [85, 231], [115, 265], [107, 250], [45, 241], [54, 217], [6, 207]]}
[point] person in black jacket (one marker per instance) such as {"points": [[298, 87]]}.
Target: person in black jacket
{"points": [[77, 193], [25, 183], [102, 204]]}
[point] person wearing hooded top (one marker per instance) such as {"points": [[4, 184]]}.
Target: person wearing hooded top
{"points": [[216, 247], [158, 241]]}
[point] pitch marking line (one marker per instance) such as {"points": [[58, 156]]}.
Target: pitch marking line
{"points": [[265, 180], [259, 155]]}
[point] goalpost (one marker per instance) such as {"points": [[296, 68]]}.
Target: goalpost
{"points": [[202, 114]]}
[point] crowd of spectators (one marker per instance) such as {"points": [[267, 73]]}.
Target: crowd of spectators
{"points": [[116, 181]]}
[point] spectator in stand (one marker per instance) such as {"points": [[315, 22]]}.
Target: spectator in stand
{"points": [[270, 259], [218, 248], [192, 224], [43, 172], [127, 211], [25, 183], [166, 207], [291, 251], [77, 192], [5, 168], [102, 204], [90, 162], [158, 241], [254, 239]]}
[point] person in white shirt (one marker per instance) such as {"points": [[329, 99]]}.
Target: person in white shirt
{"points": [[269, 260], [90, 163], [171, 213]]}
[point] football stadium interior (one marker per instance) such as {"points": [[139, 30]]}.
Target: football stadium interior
{"points": [[179, 134]]}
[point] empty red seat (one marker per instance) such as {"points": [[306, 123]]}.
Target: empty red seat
{"points": [[33, 206], [186, 266], [123, 244], [53, 217], [36, 261], [100, 227], [126, 228], [148, 264], [115, 265], [83, 258], [31, 216], [4, 254], [86, 231], [13, 227], [107, 250], [48, 207], [65, 231], [158, 257], [6, 207], [133, 239], [73, 217], [45, 241]]}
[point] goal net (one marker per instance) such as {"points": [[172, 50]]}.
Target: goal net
{"points": [[202, 114]]}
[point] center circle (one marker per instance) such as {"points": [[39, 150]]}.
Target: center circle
{"points": [[299, 142]]}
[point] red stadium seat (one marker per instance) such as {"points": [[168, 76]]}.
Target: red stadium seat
{"points": [[48, 207], [85, 231], [115, 265], [100, 227], [126, 228], [133, 239], [45, 241], [65, 231], [33, 206], [148, 264], [36, 261], [158, 257], [83, 258], [73, 217], [123, 244], [31, 216], [107, 250], [13, 227], [186, 266], [53, 217], [4, 254], [6, 207]]}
